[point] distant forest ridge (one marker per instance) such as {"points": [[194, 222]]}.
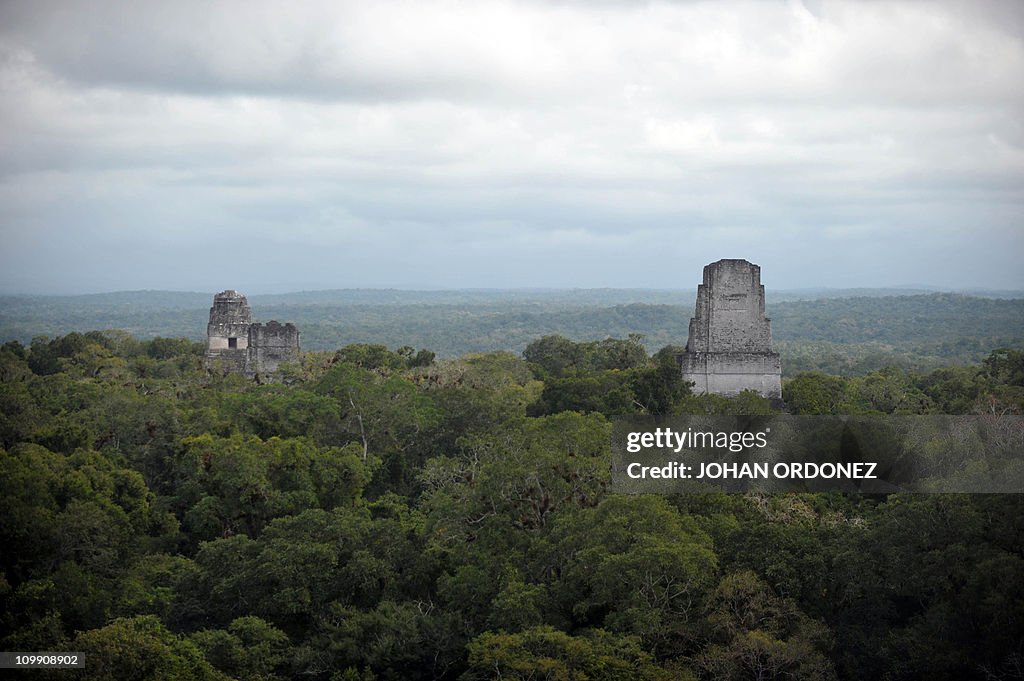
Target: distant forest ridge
{"points": [[154, 299], [841, 330]]}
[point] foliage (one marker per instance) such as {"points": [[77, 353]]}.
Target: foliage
{"points": [[141, 649], [838, 332], [544, 652], [385, 514]]}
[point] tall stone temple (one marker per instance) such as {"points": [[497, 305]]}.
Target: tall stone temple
{"points": [[730, 345], [236, 343]]}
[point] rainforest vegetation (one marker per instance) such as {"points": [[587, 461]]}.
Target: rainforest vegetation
{"points": [[832, 331], [383, 513]]}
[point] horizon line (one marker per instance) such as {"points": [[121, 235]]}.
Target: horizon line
{"points": [[511, 289]]}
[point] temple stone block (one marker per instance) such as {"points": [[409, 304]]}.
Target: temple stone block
{"points": [[235, 343], [729, 349]]}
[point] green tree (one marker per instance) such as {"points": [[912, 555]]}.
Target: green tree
{"points": [[238, 484], [141, 649], [544, 652], [249, 648], [813, 392], [760, 636], [634, 565]]}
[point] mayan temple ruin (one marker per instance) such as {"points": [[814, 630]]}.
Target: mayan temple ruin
{"points": [[730, 345], [235, 343]]}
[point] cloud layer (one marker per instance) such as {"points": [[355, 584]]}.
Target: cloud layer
{"points": [[266, 146]]}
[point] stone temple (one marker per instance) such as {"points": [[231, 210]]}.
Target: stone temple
{"points": [[730, 345], [236, 343]]}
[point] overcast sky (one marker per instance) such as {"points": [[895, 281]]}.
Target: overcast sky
{"points": [[272, 146]]}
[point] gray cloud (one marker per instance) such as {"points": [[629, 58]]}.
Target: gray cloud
{"points": [[268, 146]]}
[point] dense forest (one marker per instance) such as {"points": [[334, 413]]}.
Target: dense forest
{"points": [[386, 514], [839, 332]]}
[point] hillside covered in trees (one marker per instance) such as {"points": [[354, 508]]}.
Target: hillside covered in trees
{"points": [[386, 514], [840, 332]]}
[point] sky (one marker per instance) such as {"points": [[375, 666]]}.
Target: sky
{"points": [[272, 147]]}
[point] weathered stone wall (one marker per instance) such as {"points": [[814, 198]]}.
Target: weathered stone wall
{"points": [[730, 344], [235, 343], [230, 317], [729, 315], [732, 373], [271, 344]]}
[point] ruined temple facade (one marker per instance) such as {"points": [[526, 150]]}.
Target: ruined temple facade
{"points": [[236, 343], [730, 345]]}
